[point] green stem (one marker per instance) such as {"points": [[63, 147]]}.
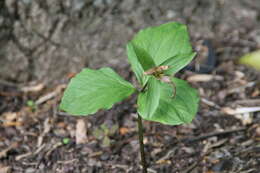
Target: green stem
{"points": [[140, 132]]}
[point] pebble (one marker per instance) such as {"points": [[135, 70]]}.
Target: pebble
{"points": [[30, 170], [257, 131], [104, 157], [170, 14]]}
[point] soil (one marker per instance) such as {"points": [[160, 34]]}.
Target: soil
{"points": [[44, 43]]}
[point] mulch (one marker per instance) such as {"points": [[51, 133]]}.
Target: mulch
{"points": [[222, 138]]}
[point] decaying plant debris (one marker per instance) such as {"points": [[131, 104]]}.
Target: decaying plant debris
{"points": [[219, 139], [224, 137]]}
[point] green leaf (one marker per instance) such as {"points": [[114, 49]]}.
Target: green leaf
{"points": [[177, 62], [172, 111], [143, 57], [92, 90], [66, 141], [163, 42], [148, 101], [252, 59], [135, 64]]}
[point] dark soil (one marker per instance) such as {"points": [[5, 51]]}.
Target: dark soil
{"points": [[32, 136]]}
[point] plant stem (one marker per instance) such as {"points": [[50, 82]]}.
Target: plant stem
{"points": [[140, 132], [144, 87]]}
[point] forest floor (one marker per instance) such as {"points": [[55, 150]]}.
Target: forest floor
{"points": [[36, 137]]}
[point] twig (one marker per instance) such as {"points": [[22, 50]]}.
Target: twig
{"points": [[55, 146], [248, 102], [202, 137], [210, 103], [7, 83], [168, 155], [50, 95], [190, 168]]}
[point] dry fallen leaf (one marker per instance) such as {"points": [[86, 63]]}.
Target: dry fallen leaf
{"points": [[210, 172], [11, 119], [163, 162], [123, 130], [71, 75]]}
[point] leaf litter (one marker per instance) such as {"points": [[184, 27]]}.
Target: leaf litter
{"points": [[216, 141]]}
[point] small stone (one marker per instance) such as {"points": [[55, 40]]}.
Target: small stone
{"points": [[170, 14], [104, 157], [257, 130], [30, 170]]}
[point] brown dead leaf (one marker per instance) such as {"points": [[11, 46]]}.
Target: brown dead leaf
{"points": [[163, 162], [61, 125], [10, 116], [12, 124], [71, 75], [210, 172], [11, 119], [124, 130]]}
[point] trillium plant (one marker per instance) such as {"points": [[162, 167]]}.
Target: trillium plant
{"points": [[155, 55]]}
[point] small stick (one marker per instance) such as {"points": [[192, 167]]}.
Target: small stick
{"points": [[202, 137]]}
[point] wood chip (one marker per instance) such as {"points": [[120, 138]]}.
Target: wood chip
{"points": [[50, 95], [204, 78], [34, 88], [47, 128], [5, 169], [10, 119], [243, 114], [248, 102], [124, 130], [210, 103], [4, 152], [81, 132], [241, 88], [241, 110]]}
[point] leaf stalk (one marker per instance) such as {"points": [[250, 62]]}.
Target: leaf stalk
{"points": [[140, 132]]}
